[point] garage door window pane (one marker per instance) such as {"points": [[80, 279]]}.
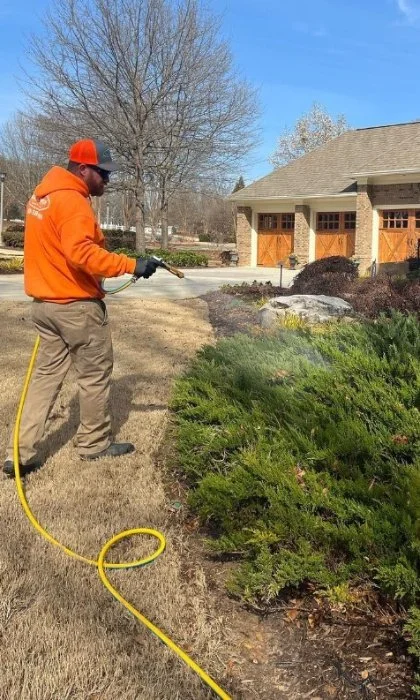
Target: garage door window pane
{"points": [[287, 222], [349, 220], [395, 219], [328, 221], [267, 221]]}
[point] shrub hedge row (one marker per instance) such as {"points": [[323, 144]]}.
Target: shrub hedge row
{"points": [[182, 258]]}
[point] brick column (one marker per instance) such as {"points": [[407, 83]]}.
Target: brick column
{"points": [[302, 225], [364, 226], [243, 235]]}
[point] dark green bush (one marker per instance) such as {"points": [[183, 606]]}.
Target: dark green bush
{"points": [[13, 239], [180, 258], [119, 239], [15, 226]]}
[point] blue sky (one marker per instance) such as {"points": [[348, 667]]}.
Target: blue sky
{"points": [[357, 57]]}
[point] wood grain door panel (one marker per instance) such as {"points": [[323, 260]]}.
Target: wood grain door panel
{"points": [[329, 243], [274, 247]]}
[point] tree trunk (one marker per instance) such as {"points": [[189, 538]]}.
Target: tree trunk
{"points": [[163, 214], [164, 225], [139, 209], [125, 210]]}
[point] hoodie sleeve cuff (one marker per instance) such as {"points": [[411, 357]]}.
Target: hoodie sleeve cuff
{"points": [[131, 265]]}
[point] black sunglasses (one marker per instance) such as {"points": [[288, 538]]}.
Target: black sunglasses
{"points": [[103, 173]]}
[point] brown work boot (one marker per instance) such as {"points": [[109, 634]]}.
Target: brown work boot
{"points": [[116, 449], [9, 468]]}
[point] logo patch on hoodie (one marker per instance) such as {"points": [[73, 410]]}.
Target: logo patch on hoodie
{"points": [[37, 205]]}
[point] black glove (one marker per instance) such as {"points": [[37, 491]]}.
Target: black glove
{"points": [[145, 267]]}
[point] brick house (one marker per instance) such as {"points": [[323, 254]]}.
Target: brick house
{"points": [[358, 195]]}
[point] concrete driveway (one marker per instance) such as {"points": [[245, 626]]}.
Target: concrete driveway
{"points": [[197, 281]]}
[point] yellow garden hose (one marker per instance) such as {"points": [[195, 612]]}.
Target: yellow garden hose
{"points": [[101, 564]]}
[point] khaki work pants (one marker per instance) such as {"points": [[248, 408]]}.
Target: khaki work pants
{"points": [[75, 334]]}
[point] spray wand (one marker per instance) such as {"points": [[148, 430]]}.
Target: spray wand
{"points": [[173, 270], [161, 263]]}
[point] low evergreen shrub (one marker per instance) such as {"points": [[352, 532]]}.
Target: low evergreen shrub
{"points": [[15, 226], [179, 258], [13, 239], [119, 239], [302, 451]]}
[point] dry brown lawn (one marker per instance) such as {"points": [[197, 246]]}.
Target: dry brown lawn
{"points": [[62, 635]]}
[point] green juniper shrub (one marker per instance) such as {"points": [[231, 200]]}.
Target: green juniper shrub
{"points": [[302, 452]]}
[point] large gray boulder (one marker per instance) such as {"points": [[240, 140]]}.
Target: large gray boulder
{"points": [[314, 308]]}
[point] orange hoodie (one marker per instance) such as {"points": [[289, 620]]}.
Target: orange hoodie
{"points": [[65, 258]]}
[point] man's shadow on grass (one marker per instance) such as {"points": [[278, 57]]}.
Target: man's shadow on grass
{"points": [[53, 441]]}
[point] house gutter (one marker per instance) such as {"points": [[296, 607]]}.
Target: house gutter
{"points": [[294, 197], [378, 173]]}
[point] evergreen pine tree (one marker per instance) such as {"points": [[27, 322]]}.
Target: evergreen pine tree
{"points": [[240, 184]]}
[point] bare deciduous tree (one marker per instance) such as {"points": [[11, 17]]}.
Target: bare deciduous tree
{"points": [[206, 214], [153, 79], [312, 130], [22, 158]]}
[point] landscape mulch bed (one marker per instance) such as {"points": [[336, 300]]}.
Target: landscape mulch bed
{"points": [[229, 315], [368, 297], [305, 648]]}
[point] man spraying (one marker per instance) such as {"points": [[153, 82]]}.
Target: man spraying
{"points": [[65, 261]]}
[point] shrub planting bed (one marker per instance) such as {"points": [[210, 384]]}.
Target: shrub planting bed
{"points": [[302, 452], [337, 276]]}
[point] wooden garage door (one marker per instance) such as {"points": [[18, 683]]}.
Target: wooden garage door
{"points": [[275, 238], [399, 233], [335, 234]]}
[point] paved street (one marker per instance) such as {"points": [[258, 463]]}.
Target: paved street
{"points": [[163, 285]]}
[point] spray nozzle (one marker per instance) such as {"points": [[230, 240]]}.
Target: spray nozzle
{"points": [[173, 270]]}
